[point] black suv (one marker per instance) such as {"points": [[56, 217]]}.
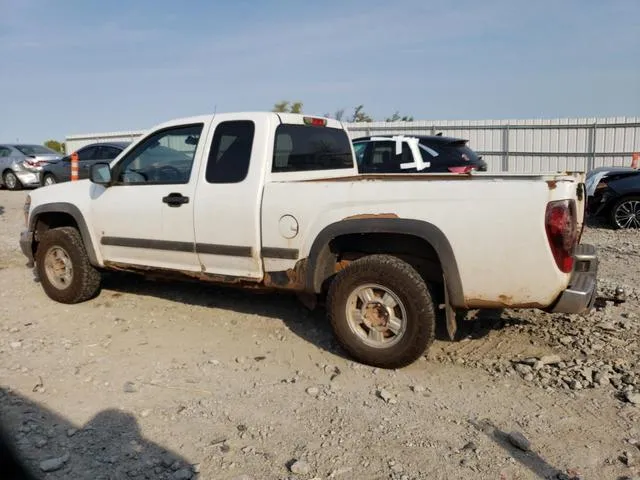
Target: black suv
{"points": [[379, 154], [60, 171]]}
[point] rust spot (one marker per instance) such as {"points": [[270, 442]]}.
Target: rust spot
{"points": [[291, 279], [363, 177], [371, 215], [169, 274], [503, 301], [552, 184]]}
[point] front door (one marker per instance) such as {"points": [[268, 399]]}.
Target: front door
{"points": [[146, 216]]}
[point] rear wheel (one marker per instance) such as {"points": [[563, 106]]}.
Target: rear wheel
{"points": [[626, 213], [381, 311], [49, 179], [63, 266], [11, 180]]}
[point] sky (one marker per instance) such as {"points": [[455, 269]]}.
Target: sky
{"points": [[73, 66]]}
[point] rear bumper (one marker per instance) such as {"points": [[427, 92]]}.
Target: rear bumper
{"points": [[28, 178], [26, 245], [581, 293]]}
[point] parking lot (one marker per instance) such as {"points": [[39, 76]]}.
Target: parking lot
{"points": [[178, 381]]}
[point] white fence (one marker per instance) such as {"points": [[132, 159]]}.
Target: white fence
{"points": [[517, 146]]}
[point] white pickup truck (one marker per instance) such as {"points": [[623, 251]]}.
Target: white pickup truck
{"points": [[273, 200]]}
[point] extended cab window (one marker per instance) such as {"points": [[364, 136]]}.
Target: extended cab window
{"points": [[165, 157], [230, 152], [303, 148]]}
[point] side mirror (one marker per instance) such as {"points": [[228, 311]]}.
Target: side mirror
{"points": [[101, 174]]}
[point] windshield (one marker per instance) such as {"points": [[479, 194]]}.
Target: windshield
{"points": [[35, 150]]}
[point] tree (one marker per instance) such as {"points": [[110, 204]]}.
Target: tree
{"points": [[55, 145], [285, 106], [359, 115], [396, 117]]}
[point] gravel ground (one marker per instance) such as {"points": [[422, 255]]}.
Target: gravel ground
{"points": [[173, 381]]}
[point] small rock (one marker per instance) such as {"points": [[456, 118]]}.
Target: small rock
{"points": [[627, 459], [129, 387], [53, 464], [418, 388], [386, 396], [518, 440], [528, 377], [71, 432], [300, 467], [15, 344], [240, 360], [550, 359], [471, 446], [313, 391], [522, 369], [182, 474], [214, 362], [575, 385], [145, 413], [40, 442], [633, 398], [628, 379], [566, 341]]}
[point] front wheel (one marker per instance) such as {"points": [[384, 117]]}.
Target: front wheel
{"points": [[381, 311], [63, 266], [626, 213], [11, 180]]}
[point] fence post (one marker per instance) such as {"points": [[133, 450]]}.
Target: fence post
{"points": [[505, 148], [591, 147]]}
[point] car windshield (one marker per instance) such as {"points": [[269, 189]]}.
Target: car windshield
{"points": [[35, 150]]}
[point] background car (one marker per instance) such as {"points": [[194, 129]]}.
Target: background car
{"points": [[613, 193], [60, 171], [21, 163], [445, 154]]}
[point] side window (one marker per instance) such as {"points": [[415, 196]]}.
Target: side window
{"points": [[359, 149], [230, 152], [87, 153], [302, 148], [107, 153], [383, 155], [4, 152], [163, 158]]}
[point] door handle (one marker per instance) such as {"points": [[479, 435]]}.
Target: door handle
{"points": [[175, 199]]}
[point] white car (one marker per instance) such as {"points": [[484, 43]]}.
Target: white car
{"points": [[274, 200]]}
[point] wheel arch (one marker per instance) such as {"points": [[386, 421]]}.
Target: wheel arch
{"points": [[321, 260], [62, 214]]}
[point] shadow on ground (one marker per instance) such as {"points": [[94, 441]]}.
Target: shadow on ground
{"points": [[477, 324], [311, 326], [110, 446], [1, 209], [524, 455]]}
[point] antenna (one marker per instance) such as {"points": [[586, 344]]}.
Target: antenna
{"points": [[215, 108]]}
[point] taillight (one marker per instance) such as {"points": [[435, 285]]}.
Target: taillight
{"points": [[560, 224], [463, 169]]}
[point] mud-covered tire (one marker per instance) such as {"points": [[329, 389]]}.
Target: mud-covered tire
{"points": [[11, 181], [84, 281], [403, 281]]}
